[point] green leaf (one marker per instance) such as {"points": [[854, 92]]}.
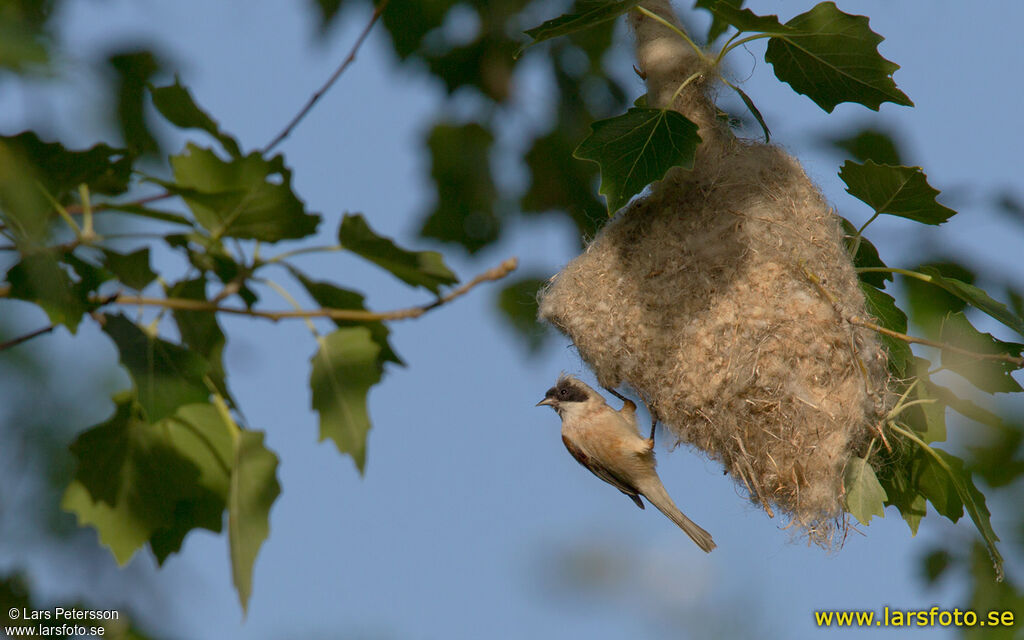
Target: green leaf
{"points": [[1016, 301], [345, 366], [993, 376], [999, 461], [718, 25], [90, 277], [518, 303], [948, 485], [247, 197], [636, 149], [485, 64], [928, 417], [559, 182], [730, 12], [460, 167], [976, 297], [966, 408], [327, 295], [913, 511], [416, 268], [24, 209], [928, 304], [883, 307], [254, 488], [209, 254], [832, 57], [104, 169], [22, 48], [935, 564], [200, 331], [39, 278], [134, 67], [972, 500], [166, 376], [132, 269], [898, 478], [870, 144], [753, 111], [590, 14], [175, 103], [866, 256], [328, 10], [409, 21], [138, 482], [898, 191], [865, 497], [992, 592]]}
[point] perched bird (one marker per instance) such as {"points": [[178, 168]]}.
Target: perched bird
{"points": [[608, 443]]}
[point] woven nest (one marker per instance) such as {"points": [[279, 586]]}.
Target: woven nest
{"points": [[698, 296]]}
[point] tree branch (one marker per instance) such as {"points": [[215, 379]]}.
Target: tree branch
{"points": [[1004, 357], [349, 59], [25, 338], [358, 315], [854, 320]]}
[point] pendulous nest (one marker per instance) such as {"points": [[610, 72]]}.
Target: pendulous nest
{"points": [[698, 297]]}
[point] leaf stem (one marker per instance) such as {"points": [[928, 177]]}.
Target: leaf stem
{"points": [[739, 43], [902, 272], [1003, 357], [900, 409], [225, 415], [865, 225], [683, 85], [682, 34], [63, 212], [87, 228], [281, 291], [731, 38], [377, 11], [295, 252]]}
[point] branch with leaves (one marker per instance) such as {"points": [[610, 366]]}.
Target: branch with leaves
{"points": [[177, 453]]}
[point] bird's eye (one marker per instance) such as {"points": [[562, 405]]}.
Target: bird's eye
{"points": [[563, 392]]}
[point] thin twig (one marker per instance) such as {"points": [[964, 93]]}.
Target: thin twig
{"points": [[668, 25], [854, 320], [25, 338], [357, 315], [377, 11], [1004, 357]]}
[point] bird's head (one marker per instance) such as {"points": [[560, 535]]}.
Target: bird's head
{"points": [[567, 393]]}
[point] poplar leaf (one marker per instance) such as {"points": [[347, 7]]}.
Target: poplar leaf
{"points": [[636, 149], [345, 366]]}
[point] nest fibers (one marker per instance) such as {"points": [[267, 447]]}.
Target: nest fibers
{"points": [[698, 297]]}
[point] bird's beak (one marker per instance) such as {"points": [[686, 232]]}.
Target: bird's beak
{"points": [[550, 402]]}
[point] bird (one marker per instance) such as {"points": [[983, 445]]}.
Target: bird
{"points": [[608, 443]]}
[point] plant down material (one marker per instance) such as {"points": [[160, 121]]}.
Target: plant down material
{"points": [[698, 297]]}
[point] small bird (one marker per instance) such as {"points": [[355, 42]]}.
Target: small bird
{"points": [[608, 443]]}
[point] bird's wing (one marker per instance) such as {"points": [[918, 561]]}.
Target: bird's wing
{"points": [[603, 472]]}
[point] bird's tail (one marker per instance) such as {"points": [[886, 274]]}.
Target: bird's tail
{"points": [[655, 493]]}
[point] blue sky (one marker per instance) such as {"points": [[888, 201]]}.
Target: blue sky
{"points": [[471, 514]]}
